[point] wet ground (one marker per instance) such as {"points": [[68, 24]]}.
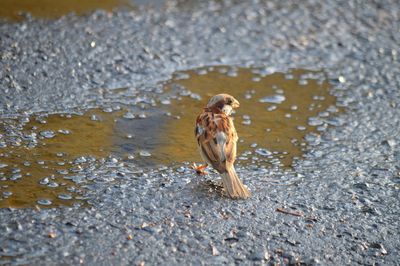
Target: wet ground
{"points": [[41, 154], [96, 135]]}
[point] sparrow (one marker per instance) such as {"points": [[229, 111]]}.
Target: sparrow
{"points": [[216, 139]]}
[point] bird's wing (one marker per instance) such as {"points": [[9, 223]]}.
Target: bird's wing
{"points": [[216, 138]]}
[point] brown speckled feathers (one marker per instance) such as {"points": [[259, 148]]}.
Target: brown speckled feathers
{"points": [[216, 123], [216, 138]]}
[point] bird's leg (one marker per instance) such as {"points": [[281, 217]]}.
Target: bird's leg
{"points": [[200, 169]]}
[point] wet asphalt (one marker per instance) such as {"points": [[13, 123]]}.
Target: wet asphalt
{"points": [[339, 205]]}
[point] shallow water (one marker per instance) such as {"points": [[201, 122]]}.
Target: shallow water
{"points": [[45, 159], [40, 163], [50, 9], [11, 9], [276, 111]]}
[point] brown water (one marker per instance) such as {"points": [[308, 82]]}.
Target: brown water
{"points": [[33, 169], [278, 128], [52, 159], [11, 9]]}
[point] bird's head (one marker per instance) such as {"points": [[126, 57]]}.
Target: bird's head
{"points": [[224, 102]]}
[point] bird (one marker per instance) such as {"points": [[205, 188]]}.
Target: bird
{"points": [[216, 139]]}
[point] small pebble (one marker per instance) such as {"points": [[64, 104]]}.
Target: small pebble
{"points": [[263, 152], [45, 202], [277, 98], [64, 131], [144, 153], [165, 101], [48, 134], [129, 115], [7, 193], [65, 196]]}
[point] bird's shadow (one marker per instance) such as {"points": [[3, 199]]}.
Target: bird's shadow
{"points": [[208, 187]]}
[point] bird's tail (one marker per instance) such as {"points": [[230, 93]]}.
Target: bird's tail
{"points": [[233, 186]]}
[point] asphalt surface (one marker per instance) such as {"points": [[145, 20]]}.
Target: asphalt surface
{"points": [[340, 203]]}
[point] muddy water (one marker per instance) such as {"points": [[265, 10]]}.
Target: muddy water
{"points": [[11, 9], [38, 166], [46, 160], [50, 9], [276, 111]]}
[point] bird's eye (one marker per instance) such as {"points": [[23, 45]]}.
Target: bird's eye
{"points": [[229, 102]]}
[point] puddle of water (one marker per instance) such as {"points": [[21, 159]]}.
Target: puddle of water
{"points": [[44, 160], [50, 9], [11, 9], [37, 167], [276, 111]]}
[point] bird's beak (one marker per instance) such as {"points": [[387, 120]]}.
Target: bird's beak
{"points": [[235, 104]]}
